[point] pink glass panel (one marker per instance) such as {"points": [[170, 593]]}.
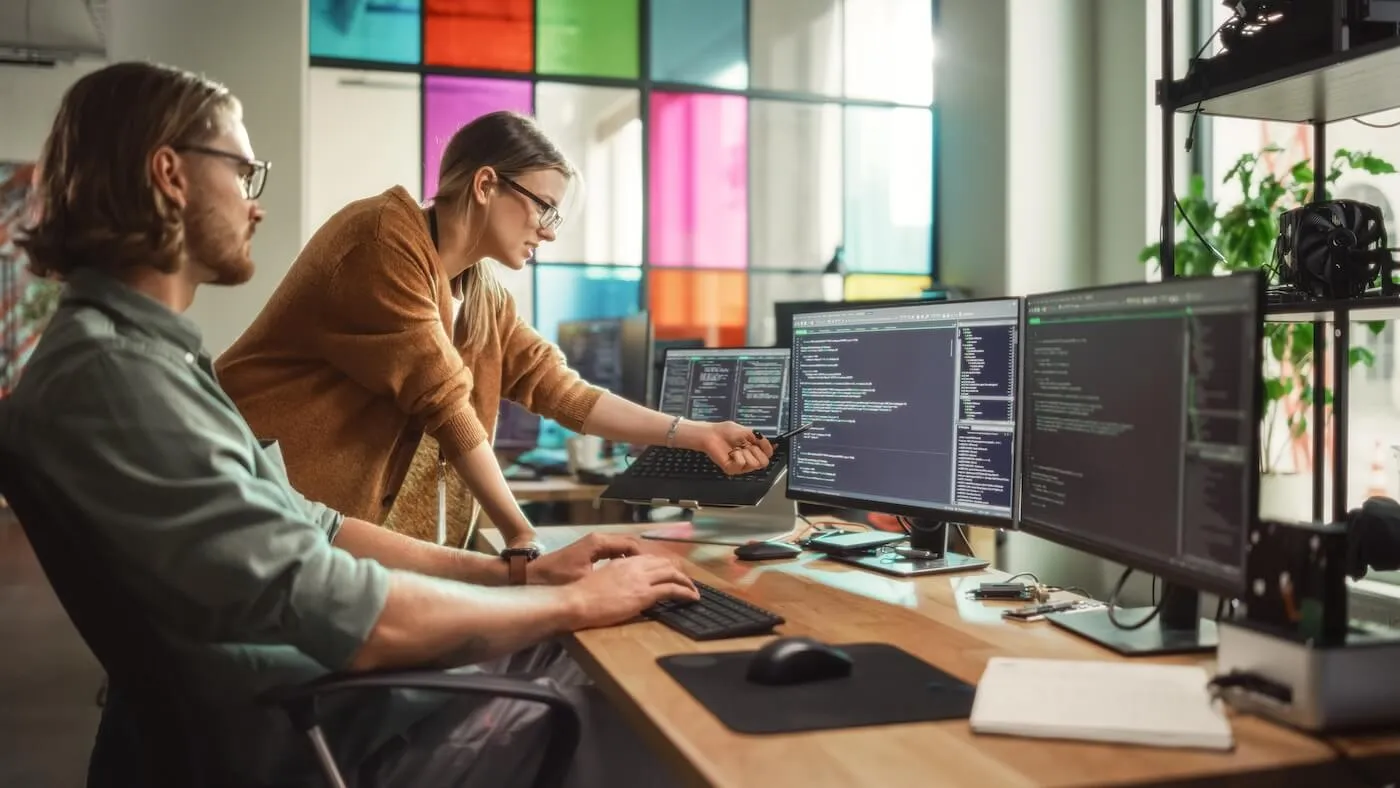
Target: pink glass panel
{"points": [[698, 180], [453, 102]]}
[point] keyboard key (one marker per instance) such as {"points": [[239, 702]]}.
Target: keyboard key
{"points": [[714, 616]]}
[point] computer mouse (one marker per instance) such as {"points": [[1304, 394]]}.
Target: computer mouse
{"points": [[765, 551], [798, 660]]}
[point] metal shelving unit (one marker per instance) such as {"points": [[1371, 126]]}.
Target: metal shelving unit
{"points": [[1342, 85]]}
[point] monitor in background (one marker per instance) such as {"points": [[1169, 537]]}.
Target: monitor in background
{"points": [[611, 353], [517, 429], [783, 311], [638, 350], [914, 412], [1140, 442], [659, 349]]}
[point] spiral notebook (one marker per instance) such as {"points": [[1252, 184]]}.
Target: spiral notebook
{"points": [[1121, 702]]}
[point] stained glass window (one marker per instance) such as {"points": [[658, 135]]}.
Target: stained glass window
{"points": [[726, 150], [595, 38], [496, 35], [708, 304], [452, 102], [698, 147], [699, 43], [888, 189], [385, 31]]}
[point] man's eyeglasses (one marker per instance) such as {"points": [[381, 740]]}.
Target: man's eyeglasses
{"points": [[252, 172], [550, 218]]}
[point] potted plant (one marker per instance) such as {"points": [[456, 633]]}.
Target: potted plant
{"points": [[1243, 234]]}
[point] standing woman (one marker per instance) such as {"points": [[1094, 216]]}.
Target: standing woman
{"points": [[391, 326]]}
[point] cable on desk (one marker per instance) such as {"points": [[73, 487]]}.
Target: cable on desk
{"points": [[1113, 605]]}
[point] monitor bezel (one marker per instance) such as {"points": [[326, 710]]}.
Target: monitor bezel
{"points": [[766, 349], [1164, 569], [932, 513], [834, 306], [659, 348]]}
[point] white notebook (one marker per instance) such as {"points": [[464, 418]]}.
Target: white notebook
{"points": [[1123, 702]]}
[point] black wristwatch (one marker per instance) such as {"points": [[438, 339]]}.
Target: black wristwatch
{"points": [[517, 558]]}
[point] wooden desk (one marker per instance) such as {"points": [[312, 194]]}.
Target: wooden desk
{"points": [[584, 506], [928, 617], [555, 489]]}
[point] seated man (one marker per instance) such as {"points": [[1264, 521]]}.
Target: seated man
{"points": [[148, 189]]}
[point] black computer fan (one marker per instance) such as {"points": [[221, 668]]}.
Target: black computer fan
{"points": [[1332, 249]]}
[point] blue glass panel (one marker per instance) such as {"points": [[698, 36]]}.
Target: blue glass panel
{"points": [[565, 292], [699, 43], [889, 190], [387, 31]]}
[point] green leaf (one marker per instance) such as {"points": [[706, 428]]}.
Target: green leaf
{"points": [[1361, 355], [1375, 326], [1274, 389]]}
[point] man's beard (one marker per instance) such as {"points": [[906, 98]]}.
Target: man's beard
{"points": [[218, 247]]}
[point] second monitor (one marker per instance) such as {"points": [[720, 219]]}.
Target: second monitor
{"points": [[914, 411], [1141, 443]]}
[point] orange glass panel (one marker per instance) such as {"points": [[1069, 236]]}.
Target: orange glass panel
{"points": [[708, 304], [488, 34]]}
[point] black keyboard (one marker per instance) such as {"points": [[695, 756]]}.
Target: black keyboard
{"points": [[715, 616], [659, 462]]}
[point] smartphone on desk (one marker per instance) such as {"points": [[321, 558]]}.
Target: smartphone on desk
{"points": [[853, 542]]}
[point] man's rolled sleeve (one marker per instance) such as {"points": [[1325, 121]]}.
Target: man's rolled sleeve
{"points": [[214, 543]]}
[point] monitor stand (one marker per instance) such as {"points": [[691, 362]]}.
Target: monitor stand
{"points": [[930, 535], [773, 517], [1177, 629]]}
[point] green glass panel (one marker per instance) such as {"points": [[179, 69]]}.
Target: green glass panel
{"points": [[596, 38]]}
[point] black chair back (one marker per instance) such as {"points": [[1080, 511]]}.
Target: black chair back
{"points": [[150, 737]]}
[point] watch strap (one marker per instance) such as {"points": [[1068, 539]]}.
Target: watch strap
{"points": [[517, 565]]}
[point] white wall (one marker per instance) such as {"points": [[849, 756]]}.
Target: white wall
{"points": [[1051, 167], [973, 140], [257, 48], [1047, 169], [363, 137], [30, 96]]}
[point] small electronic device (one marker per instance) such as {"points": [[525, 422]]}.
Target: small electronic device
{"points": [[1032, 612], [1006, 591], [766, 551], [1297, 584], [798, 660], [853, 542]]}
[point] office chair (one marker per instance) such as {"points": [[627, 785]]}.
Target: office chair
{"points": [[167, 746]]}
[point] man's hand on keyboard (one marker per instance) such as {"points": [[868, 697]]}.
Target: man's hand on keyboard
{"points": [[576, 561], [623, 588], [733, 448]]}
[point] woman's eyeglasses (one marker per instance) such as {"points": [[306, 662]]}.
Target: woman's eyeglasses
{"points": [[550, 218]]}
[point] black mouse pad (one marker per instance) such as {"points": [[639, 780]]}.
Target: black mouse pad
{"points": [[887, 686]]}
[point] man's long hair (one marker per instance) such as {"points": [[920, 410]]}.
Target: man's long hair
{"points": [[96, 203]]}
